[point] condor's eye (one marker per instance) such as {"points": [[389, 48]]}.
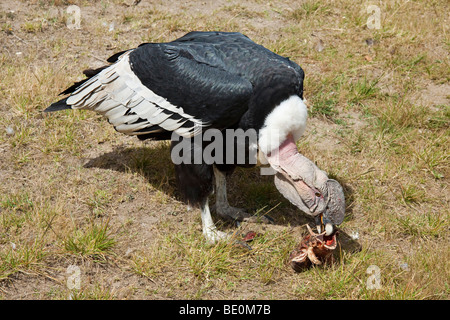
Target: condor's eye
{"points": [[318, 194]]}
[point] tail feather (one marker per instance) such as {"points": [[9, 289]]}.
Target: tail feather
{"points": [[73, 87], [61, 104], [57, 106], [89, 73]]}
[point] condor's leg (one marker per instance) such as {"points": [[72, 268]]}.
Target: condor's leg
{"points": [[210, 231], [222, 206], [195, 183]]}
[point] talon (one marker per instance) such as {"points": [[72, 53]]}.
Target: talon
{"points": [[231, 213], [242, 244]]}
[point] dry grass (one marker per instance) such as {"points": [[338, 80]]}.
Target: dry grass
{"points": [[75, 192]]}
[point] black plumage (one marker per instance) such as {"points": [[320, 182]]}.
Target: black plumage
{"points": [[224, 80]]}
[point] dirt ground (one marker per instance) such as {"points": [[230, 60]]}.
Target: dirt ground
{"points": [[65, 176]]}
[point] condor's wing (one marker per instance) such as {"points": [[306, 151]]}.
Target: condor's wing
{"points": [[163, 87]]}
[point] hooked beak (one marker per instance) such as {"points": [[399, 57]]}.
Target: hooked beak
{"points": [[308, 187], [335, 211], [324, 225]]}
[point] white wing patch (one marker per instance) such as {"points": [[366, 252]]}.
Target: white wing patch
{"points": [[132, 108]]}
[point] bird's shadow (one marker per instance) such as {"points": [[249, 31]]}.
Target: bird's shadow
{"points": [[247, 188], [152, 163]]}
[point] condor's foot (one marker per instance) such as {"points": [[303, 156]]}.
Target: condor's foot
{"points": [[213, 235], [230, 213]]}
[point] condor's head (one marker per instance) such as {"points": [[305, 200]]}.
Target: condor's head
{"points": [[297, 178]]}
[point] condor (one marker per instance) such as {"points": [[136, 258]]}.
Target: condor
{"points": [[214, 80]]}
